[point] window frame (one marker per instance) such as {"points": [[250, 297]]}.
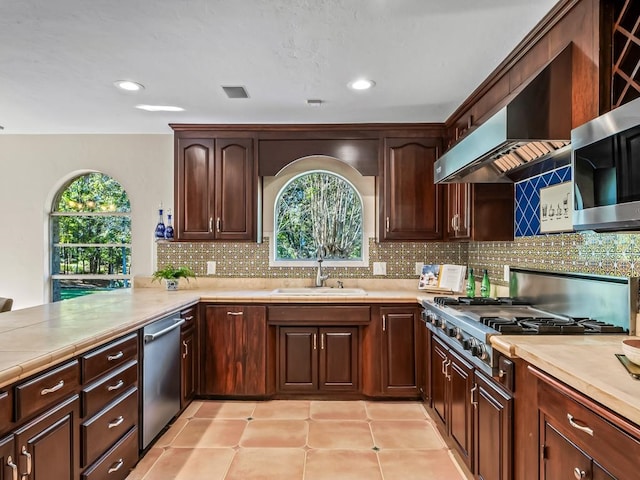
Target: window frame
{"points": [[53, 245], [275, 262]]}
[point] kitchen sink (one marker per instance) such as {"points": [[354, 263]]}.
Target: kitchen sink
{"points": [[319, 291]]}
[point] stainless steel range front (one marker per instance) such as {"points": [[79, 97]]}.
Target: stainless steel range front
{"points": [[541, 303]]}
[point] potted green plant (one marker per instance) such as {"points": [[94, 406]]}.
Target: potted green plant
{"points": [[171, 275]]}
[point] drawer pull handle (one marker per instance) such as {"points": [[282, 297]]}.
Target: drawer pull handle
{"points": [[186, 349], [117, 386], [579, 473], [116, 466], [116, 356], [117, 422], [13, 467], [235, 314], [24, 453], [55, 388], [582, 428], [473, 391], [210, 224], [189, 318], [218, 224]]}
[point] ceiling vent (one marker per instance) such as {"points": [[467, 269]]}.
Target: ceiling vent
{"points": [[236, 92]]}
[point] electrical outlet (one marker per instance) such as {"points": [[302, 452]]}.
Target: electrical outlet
{"points": [[419, 268], [379, 268], [505, 275], [211, 268]]}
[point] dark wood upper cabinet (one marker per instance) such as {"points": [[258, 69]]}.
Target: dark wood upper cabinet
{"points": [[480, 211], [411, 204], [215, 188]]}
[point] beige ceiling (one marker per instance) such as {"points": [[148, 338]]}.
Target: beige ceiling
{"points": [[59, 59]]}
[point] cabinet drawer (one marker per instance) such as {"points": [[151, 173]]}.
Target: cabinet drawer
{"points": [[609, 445], [101, 431], [104, 390], [110, 356], [46, 389], [6, 410], [320, 315], [189, 317], [117, 462]]}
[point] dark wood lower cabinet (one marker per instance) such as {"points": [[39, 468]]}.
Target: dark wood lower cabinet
{"points": [[562, 459], [47, 447], [188, 367], [234, 350], [451, 384], [398, 353], [312, 359], [493, 430]]}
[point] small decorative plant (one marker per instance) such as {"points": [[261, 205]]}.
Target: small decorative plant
{"points": [[171, 275]]}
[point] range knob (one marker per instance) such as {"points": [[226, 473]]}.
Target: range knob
{"points": [[443, 324], [458, 333], [455, 332], [479, 350]]}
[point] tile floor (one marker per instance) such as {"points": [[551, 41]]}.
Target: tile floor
{"points": [[300, 440]]}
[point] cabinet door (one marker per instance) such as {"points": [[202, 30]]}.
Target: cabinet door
{"points": [[298, 359], [399, 375], [460, 376], [493, 427], [48, 446], [234, 350], [339, 365], [222, 350], [439, 379], [234, 189], [412, 203], [254, 342], [188, 367], [458, 211], [8, 467], [194, 198], [561, 459]]}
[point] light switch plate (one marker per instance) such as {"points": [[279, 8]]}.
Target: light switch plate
{"points": [[379, 268], [211, 268], [418, 270], [505, 275]]}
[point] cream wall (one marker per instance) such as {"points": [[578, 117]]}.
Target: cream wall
{"points": [[34, 167]]}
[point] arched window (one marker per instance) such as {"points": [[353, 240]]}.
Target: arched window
{"points": [[318, 208], [90, 237]]}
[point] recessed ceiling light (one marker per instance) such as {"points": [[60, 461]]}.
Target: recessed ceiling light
{"points": [[129, 86], [361, 84], [160, 108]]}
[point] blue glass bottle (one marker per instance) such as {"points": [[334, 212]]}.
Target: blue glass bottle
{"points": [[160, 229], [168, 231]]}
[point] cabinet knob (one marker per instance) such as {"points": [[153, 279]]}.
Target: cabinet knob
{"points": [[579, 473]]}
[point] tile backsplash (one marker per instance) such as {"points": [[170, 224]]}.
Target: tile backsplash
{"points": [[244, 259], [527, 196]]}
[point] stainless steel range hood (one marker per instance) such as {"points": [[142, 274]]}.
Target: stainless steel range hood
{"points": [[534, 126]]}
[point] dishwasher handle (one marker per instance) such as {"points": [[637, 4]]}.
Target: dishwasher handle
{"points": [[152, 336]]}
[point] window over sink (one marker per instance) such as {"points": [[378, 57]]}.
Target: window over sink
{"points": [[318, 209]]}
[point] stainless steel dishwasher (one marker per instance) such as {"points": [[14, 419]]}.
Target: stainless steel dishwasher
{"points": [[160, 376]]}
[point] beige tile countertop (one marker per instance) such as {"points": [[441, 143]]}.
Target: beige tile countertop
{"points": [[587, 363], [36, 338]]}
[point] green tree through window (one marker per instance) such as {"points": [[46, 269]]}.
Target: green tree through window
{"points": [[90, 237], [318, 208]]}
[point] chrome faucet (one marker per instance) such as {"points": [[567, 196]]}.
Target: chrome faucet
{"points": [[320, 278]]}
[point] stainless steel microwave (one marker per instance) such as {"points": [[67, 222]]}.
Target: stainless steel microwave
{"points": [[605, 159]]}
